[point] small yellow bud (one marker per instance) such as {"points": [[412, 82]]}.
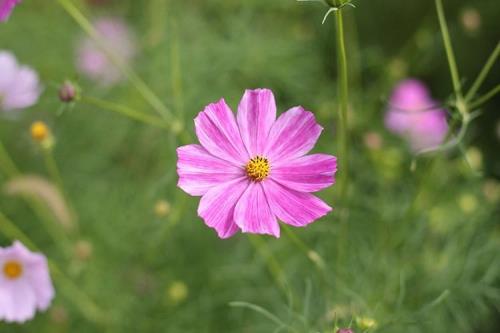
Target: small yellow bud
{"points": [[162, 208], [468, 203], [39, 131], [366, 323], [177, 292]]}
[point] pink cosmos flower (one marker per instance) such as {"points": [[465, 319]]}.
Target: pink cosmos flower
{"points": [[6, 8], [413, 114], [93, 62], [25, 284], [253, 169], [19, 85]]}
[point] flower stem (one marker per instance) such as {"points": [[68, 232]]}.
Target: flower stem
{"points": [[136, 81], [125, 111], [343, 94], [486, 97], [6, 162], [457, 87], [484, 72], [11, 171]]}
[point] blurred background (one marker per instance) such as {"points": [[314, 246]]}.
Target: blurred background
{"points": [[415, 248]]}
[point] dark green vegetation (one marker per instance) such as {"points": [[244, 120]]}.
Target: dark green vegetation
{"points": [[414, 249]]}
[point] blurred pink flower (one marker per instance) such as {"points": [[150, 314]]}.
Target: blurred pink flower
{"points": [[413, 114], [93, 62], [19, 85], [253, 169], [25, 284], [6, 8]]}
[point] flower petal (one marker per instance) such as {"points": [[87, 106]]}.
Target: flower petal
{"points": [[256, 115], [309, 173], [218, 133], [292, 135], [252, 213], [18, 301], [199, 171], [217, 206], [292, 207]]}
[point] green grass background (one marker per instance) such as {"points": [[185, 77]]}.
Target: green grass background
{"points": [[409, 255]]}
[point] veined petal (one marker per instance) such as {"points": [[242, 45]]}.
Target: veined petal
{"points": [[308, 173], [292, 135], [199, 171], [217, 206], [218, 133], [252, 213], [256, 115], [18, 301], [292, 207]]}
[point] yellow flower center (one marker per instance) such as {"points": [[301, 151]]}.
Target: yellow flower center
{"points": [[12, 269], [39, 131], [258, 168]]}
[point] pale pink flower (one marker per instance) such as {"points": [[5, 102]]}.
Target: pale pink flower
{"points": [[25, 284], [19, 85], [413, 114], [6, 8], [93, 62], [253, 169]]}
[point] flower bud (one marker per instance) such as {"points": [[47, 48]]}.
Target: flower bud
{"points": [[67, 92], [39, 131], [345, 330], [162, 208]]}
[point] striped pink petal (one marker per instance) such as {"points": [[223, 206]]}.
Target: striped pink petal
{"points": [[256, 115], [199, 171], [217, 206], [308, 173], [252, 213], [218, 133], [292, 207], [292, 135]]}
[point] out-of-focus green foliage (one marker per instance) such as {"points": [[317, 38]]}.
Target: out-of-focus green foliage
{"points": [[418, 249]]}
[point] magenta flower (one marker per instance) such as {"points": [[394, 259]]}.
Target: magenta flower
{"points": [[413, 114], [25, 284], [94, 63], [6, 8], [253, 170], [19, 85]]}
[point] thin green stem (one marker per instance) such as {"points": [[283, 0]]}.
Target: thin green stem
{"points": [[449, 50], [343, 93], [484, 72], [136, 81], [486, 97], [11, 231], [6, 162], [52, 168], [272, 263], [11, 171], [125, 111], [73, 293]]}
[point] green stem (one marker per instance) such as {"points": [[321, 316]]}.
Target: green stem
{"points": [[343, 94], [136, 81], [272, 263], [6, 162], [73, 293], [484, 72], [449, 50], [125, 111], [52, 169], [11, 171], [486, 97]]}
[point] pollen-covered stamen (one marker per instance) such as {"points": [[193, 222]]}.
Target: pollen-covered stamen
{"points": [[258, 168], [12, 269]]}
